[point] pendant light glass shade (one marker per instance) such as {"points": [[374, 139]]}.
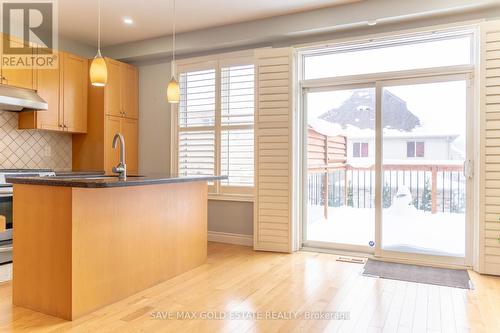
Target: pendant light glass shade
{"points": [[98, 71], [173, 91], [98, 68]]}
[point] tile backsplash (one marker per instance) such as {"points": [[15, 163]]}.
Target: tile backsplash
{"points": [[32, 149]]}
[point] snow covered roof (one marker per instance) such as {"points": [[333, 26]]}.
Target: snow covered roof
{"points": [[359, 111], [354, 119], [352, 132]]}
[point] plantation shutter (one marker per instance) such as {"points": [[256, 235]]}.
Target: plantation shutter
{"points": [[237, 128], [489, 226], [273, 146], [196, 122]]}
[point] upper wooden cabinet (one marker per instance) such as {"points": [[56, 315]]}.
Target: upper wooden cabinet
{"points": [[129, 91], [112, 90], [121, 90], [65, 91], [23, 78], [74, 83]]}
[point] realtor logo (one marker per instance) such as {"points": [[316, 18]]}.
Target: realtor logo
{"points": [[29, 33]]}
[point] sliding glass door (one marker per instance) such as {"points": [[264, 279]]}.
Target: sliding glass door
{"points": [[386, 168], [424, 167], [387, 140], [340, 167]]}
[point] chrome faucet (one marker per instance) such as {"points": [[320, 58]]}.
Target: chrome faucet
{"points": [[121, 168]]}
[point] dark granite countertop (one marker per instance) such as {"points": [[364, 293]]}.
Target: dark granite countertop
{"points": [[102, 181], [78, 174]]}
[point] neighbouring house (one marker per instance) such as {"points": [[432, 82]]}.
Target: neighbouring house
{"points": [[404, 137]]}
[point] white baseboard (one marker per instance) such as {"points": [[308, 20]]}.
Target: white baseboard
{"points": [[224, 237]]}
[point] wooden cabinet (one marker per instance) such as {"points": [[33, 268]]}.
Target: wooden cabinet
{"points": [[130, 131], [74, 82], [121, 91], [129, 91], [128, 128], [112, 109], [112, 90], [111, 156], [47, 82], [18, 77], [65, 90]]}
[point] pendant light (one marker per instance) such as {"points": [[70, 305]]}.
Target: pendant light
{"points": [[173, 91], [98, 69]]}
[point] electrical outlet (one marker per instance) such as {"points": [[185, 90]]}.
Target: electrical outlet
{"points": [[48, 151]]}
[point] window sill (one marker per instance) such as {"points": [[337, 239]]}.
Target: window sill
{"points": [[231, 197]]}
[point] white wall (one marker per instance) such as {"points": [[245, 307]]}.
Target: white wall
{"points": [[154, 119]]}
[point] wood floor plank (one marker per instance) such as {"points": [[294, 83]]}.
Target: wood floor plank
{"points": [[236, 279]]}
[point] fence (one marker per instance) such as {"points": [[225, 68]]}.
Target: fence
{"points": [[434, 188]]}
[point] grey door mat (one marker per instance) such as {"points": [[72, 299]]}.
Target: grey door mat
{"points": [[458, 278]]}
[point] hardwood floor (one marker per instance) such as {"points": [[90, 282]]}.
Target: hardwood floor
{"points": [[239, 280]]}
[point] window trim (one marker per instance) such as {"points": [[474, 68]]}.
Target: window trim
{"points": [[217, 191], [360, 149], [414, 144]]}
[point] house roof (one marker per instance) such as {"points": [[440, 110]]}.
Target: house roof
{"points": [[359, 111]]}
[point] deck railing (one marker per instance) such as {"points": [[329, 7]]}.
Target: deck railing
{"points": [[434, 188]]}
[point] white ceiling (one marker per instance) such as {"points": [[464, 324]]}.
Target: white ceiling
{"points": [[153, 18]]}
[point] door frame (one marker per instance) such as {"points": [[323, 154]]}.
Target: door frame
{"points": [[379, 81]]}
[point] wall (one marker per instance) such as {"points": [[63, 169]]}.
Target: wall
{"points": [[154, 119], [30, 148]]}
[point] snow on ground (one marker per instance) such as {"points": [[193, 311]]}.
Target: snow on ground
{"points": [[404, 229]]}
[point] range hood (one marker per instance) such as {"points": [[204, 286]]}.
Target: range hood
{"points": [[19, 99]]}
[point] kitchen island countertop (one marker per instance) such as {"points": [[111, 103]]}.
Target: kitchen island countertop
{"points": [[103, 181]]}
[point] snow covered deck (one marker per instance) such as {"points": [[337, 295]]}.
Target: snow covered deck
{"points": [[407, 229]]}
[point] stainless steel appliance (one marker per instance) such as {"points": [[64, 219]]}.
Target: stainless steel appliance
{"points": [[6, 196], [19, 99]]}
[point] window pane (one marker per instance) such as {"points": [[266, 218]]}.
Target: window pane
{"points": [[237, 157], [196, 153], [420, 149], [410, 149], [423, 54], [355, 150], [237, 95], [424, 197], [197, 102], [364, 149], [340, 182]]}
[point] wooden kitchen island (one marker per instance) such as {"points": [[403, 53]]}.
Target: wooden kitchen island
{"points": [[80, 244]]}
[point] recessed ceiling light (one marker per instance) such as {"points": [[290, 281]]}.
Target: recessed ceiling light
{"points": [[128, 20]]}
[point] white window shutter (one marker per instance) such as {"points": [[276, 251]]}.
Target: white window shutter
{"points": [[273, 150], [489, 226]]}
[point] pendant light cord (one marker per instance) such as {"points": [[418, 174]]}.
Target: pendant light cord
{"points": [[173, 42], [99, 27]]}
